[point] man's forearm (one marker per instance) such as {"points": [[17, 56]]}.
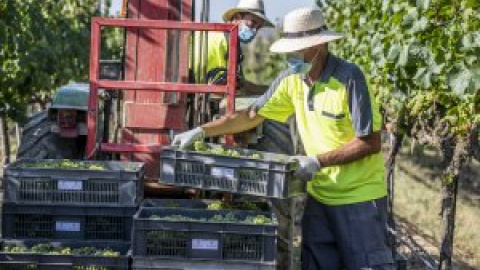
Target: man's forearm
{"points": [[354, 150], [231, 124]]}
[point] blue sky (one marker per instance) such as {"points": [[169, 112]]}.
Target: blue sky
{"points": [[276, 9]]}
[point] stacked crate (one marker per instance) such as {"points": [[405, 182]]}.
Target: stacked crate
{"points": [[253, 173], [69, 204], [185, 234], [243, 172]]}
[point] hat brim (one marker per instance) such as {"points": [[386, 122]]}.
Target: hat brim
{"points": [[285, 45], [228, 15]]}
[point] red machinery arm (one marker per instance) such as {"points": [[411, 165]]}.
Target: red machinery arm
{"points": [[96, 83]]}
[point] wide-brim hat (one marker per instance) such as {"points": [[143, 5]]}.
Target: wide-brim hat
{"points": [[303, 28], [254, 7]]}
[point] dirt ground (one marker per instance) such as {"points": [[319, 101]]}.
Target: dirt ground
{"points": [[425, 168]]}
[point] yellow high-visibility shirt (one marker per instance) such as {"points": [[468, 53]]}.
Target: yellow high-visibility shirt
{"points": [[340, 108], [216, 53]]}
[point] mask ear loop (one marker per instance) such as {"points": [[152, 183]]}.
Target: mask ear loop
{"points": [[311, 91]]}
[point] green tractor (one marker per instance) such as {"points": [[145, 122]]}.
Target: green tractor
{"points": [[61, 131]]}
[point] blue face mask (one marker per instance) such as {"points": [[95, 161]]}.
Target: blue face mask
{"points": [[298, 65], [246, 34]]}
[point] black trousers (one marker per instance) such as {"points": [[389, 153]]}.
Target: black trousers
{"points": [[351, 237]]}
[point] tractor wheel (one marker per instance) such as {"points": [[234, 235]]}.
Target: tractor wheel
{"points": [[39, 142]]}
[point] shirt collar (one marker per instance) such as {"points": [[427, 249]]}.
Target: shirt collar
{"points": [[329, 67]]}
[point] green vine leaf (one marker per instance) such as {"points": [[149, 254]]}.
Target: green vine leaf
{"points": [[460, 81], [403, 56], [423, 4]]}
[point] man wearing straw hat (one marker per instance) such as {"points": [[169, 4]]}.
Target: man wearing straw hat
{"points": [[344, 223], [211, 55], [250, 16]]}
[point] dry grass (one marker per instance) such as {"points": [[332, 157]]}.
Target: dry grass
{"points": [[418, 200]]}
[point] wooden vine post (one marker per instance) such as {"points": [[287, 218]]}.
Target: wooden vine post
{"points": [[449, 202], [395, 145], [5, 140], [463, 149]]}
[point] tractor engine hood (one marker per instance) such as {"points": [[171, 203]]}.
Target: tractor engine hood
{"points": [[73, 96]]}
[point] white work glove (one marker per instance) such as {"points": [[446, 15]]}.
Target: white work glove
{"points": [[187, 138], [307, 167]]}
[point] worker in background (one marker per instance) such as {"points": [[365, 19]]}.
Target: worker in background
{"points": [[212, 54], [211, 57], [250, 16], [344, 224]]}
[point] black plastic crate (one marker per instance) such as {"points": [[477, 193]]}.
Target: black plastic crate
{"points": [[117, 183], [203, 239], [151, 263], [45, 261], [67, 222], [271, 176]]}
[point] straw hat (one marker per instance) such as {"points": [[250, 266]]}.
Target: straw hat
{"points": [[254, 7], [303, 28]]}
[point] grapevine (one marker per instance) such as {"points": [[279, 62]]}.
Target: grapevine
{"points": [[421, 61]]}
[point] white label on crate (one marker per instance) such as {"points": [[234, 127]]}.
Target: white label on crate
{"points": [[70, 185], [228, 173], [62, 226], [207, 244]]}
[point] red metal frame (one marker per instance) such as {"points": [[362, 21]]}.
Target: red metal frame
{"points": [[96, 83]]}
